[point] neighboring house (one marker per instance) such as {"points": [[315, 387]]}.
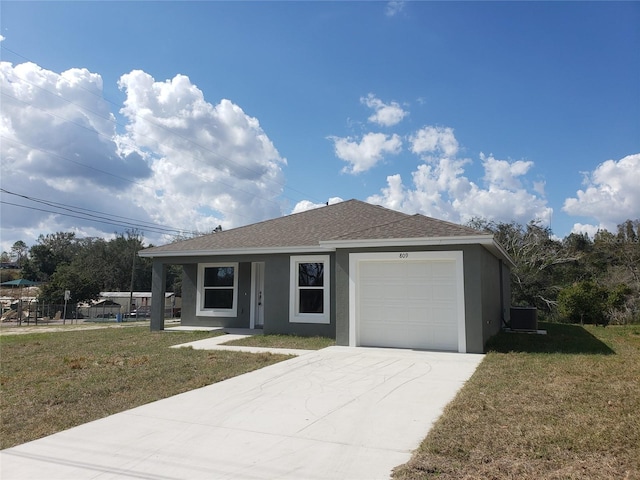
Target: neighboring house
{"points": [[102, 309], [362, 274], [140, 300], [9, 266]]}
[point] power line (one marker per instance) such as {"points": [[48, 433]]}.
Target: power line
{"points": [[90, 219], [142, 185], [80, 164], [110, 139], [91, 214]]}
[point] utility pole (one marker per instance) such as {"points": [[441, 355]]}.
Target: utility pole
{"points": [[67, 296], [133, 274]]}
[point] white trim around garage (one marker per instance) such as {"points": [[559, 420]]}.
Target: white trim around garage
{"points": [[355, 259]]}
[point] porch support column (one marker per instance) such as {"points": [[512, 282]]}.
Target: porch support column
{"points": [[158, 288]]}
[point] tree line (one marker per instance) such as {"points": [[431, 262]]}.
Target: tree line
{"points": [[85, 266], [578, 279]]}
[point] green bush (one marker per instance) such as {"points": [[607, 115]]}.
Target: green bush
{"points": [[583, 302], [587, 302]]}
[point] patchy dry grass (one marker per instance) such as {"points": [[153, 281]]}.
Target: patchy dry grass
{"points": [[561, 406], [54, 381], [284, 341]]}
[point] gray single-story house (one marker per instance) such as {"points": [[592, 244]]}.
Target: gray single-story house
{"points": [[360, 273]]}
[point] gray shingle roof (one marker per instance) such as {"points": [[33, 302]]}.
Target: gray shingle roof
{"points": [[414, 226], [349, 220]]}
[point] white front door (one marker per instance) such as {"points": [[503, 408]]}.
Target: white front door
{"points": [[257, 295]]}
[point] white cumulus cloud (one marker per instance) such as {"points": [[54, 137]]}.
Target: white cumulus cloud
{"points": [[180, 161], [587, 228], [58, 143], [366, 153], [504, 173], [385, 114], [611, 194], [431, 140], [211, 162], [304, 205], [440, 188]]}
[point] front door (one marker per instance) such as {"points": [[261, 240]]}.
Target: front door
{"points": [[257, 295]]}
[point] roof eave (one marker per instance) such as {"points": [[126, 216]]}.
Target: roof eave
{"points": [[236, 251], [487, 241], [407, 242], [497, 249]]}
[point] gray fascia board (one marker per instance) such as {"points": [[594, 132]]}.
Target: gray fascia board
{"points": [[497, 249], [407, 242], [236, 251], [487, 241]]}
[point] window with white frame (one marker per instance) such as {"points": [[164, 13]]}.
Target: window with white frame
{"points": [[309, 289], [217, 294]]}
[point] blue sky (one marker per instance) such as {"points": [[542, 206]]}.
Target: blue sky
{"points": [[192, 114]]}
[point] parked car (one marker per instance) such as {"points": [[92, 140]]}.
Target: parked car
{"points": [[141, 312]]}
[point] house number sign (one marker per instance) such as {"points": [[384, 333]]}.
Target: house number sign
{"points": [[404, 255]]}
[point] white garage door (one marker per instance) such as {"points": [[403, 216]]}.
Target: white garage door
{"points": [[409, 300]]}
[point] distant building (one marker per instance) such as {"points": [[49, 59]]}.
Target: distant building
{"points": [[141, 302], [9, 266]]}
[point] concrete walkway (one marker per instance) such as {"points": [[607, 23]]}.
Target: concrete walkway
{"points": [[337, 413], [217, 343]]}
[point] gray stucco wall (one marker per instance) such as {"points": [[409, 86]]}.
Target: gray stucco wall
{"points": [[189, 288], [342, 296], [491, 306], [483, 308], [189, 282], [506, 294], [275, 297], [492, 275], [473, 256], [481, 286]]}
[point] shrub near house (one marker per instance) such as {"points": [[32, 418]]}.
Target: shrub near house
{"points": [[587, 302]]}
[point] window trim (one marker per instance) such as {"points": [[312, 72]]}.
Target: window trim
{"points": [[294, 300], [216, 312]]}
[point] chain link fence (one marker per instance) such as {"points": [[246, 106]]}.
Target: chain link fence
{"points": [[31, 312]]}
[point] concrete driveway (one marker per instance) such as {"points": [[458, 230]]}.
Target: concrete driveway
{"points": [[338, 413]]}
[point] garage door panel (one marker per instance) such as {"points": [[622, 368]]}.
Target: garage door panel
{"points": [[443, 268], [416, 315], [418, 292], [420, 337], [445, 299], [395, 338], [374, 293], [408, 304], [418, 271]]}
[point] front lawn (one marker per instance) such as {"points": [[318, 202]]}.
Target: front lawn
{"points": [[561, 406], [54, 381]]}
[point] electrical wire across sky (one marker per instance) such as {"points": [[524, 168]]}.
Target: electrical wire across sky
{"points": [[95, 216]]}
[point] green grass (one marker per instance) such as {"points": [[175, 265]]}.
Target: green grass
{"points": [[561, 406], [53, 381], [284, 341]]}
